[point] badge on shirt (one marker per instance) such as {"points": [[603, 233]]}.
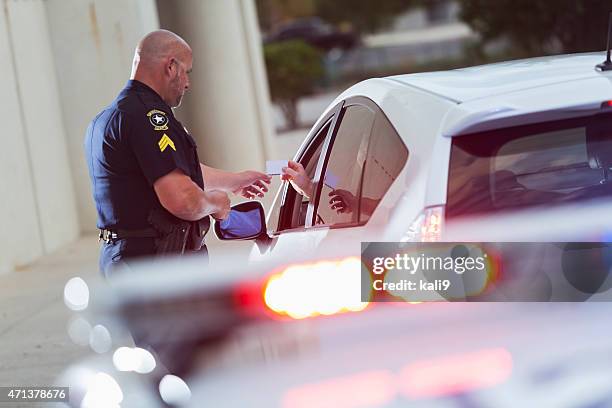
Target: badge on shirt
{"points": [[164, 142], [158, 119]]}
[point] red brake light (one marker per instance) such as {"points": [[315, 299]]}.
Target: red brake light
{"points": [[432, 378], [456, 374], [312, 289]]}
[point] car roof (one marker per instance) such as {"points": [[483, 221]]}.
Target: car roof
{"points": [[468, 100], [468, 84]]}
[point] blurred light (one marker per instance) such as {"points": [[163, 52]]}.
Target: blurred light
{"points": [[431, 229], [133, 359], [606, 104], [76, 294], [124, 359], [173, 390], [427, 227], [102, 391], [100, 339], [146, 361], [460, 288], [456, 374], [493, 266], [79, 330], [434, 378], [321, 288], [373, 388]]}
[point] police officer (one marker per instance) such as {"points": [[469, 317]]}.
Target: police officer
{"points": [[152, 194]]}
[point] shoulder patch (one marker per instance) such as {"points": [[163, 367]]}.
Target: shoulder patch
{"points": [[158, 119]]}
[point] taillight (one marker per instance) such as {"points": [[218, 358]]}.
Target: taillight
{"points": [[319, 288], [458, 374], [447, 376], [427, 227]]}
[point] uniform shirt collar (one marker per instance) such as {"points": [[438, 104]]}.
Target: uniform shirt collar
{"points": [[135, 85]]}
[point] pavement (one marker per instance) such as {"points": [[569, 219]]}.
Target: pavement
{"points": [[35, 346]]}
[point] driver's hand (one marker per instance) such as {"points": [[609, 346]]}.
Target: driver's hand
{"points": [[298, 178]]}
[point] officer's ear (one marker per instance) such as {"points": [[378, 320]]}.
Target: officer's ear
{"points": [[171, 67]]}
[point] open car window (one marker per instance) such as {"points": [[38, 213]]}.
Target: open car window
{"points": [[353, 159], [289, 212]]}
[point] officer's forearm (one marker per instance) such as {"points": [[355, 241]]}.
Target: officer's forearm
{"points": [[183, 198], [197, 204], [220, 180]]}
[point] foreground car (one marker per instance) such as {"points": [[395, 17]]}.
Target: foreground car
{"points": [[222, 339]]}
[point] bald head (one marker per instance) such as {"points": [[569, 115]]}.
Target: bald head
{"points": [[163, 60], [160, 44]]}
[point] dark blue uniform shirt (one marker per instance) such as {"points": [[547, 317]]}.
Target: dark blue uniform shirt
{"points": [[128, 146]]}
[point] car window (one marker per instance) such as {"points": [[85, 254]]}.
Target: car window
{"points": [[527, 166], [386, 157], [292, 214], [360, 170], [341, 184]]}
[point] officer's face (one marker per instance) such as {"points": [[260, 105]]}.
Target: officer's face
{"points": [[180, 83]]}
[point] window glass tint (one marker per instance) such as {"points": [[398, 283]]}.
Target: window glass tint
{"points": [[294, 212], [339, 202], [535, 165], [386, 157]]}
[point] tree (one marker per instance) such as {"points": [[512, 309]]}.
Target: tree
{"points": [[363, 15], [293, 69], [273, 12], [538, 27]]}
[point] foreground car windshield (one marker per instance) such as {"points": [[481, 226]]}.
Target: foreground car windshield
{"points": [[532, 165]]}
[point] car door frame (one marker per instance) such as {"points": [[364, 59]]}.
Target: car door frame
{"points": [[335, 116], [330, 118]]}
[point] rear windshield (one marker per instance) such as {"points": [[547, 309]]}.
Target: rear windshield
{"points": [[528, 166]]}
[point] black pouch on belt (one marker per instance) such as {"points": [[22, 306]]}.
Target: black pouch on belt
{"points": [[198, 231], [173, 232]]}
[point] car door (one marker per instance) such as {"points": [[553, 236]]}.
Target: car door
{"points": [[352, 164]]}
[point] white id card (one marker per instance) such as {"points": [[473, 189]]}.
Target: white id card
{"points": [[275, 167]]}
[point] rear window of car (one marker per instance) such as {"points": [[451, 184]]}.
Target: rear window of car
{"points": [[530, 166]]}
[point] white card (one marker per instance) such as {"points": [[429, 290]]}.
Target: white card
{"points": [[274, 167]]}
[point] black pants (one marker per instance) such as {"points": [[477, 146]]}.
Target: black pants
{"points": [[116, 256]]}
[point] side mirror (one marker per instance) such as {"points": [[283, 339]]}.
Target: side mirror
{"points": [[245, 221]]}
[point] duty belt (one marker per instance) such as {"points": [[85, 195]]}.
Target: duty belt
{"points": [[109, 236]]}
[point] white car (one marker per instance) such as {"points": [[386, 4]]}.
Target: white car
{"points": [[410, 154], [515, 151]]}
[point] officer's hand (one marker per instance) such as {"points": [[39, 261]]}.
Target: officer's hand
{"points": [[298, 178], [221, 201], [252, 184]]}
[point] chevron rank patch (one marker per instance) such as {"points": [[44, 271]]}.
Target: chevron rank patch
{"points": [[164, 142]]}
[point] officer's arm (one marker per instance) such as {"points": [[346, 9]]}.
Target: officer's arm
{"points": [[250, 180], [183, 198]]}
